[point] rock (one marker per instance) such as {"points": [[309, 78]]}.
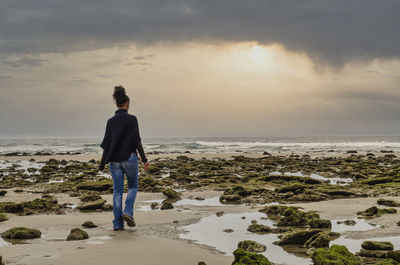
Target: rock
{"points": [[266, 154], [336, 254], [1, 260], [219, 214], [90, 198], [166, 205], [251, 246], [91, 206], [378, 180], [375, 211], [297, 238], [100, 185], [320, 240], [201, 263], [171, 194], [388, 262], [47, 204], [394, 255], [320, 223], [386, 151], [352, 152], [372, 253], [259, 229], [21, 233], [154, 205], [77, 234], [243, 257], [398, 223], [390, 203], [198, 198], [3, 217], [291, 188], [235, 199], [89, 224], [3, 192], [376, 245], [228, 230], [347, 222]]}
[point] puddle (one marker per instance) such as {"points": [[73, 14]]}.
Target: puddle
{"points": [[209, 231], [361, 225], [4, 243], [147, 205], [214, 201], [97, 240], [332, 181], [354, 245]]}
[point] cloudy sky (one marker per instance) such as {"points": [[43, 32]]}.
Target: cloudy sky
{"points": [[201, 68]]}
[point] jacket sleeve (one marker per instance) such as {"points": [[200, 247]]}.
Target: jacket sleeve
{"points": [[105, 145], [139, 146]]}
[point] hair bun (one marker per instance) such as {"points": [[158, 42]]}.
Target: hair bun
{"points": [[119, 92]]}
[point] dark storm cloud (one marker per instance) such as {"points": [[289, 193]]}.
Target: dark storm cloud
{"points": [[333, 32]]}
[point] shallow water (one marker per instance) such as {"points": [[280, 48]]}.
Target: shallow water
{"points": [[209, 231], [361, 225], [332, 181], [214, 201], [4, 243], [354, 245]]}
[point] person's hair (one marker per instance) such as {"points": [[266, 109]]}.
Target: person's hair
{"points": [[120, 96]]}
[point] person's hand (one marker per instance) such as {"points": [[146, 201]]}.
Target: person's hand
{"points": [[146, 166]]}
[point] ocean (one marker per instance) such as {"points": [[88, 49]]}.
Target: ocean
{"points": [[212, 145]]}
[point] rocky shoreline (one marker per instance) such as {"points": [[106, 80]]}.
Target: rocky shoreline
{"points": [[74, 187]]}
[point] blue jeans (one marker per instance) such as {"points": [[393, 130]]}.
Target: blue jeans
{"points": [[128, 167]]}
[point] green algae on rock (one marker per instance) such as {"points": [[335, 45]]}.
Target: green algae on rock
{"points": [[243, 257], [21, 233], [320, 240], [376, 212], [171, 194], [92, 205], [390, 203], [297, 238], [77, 234], [89, 224], [166, 205], [251, 246], [335, 255], [377, 245], [47, 204], [3, 217]]}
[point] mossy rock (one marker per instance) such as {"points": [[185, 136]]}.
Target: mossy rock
{"points": [[243, 257], [379, 180], [335, 255], [320, 223], [388, 262], [259, 229], [380, 254], [376, 245], [3, 192], [251, 246], [201, 263], [77, 234], [101, 185], [394, 255], [3, 217], [21, 233], [89, 224], [91, 206], [297, 238], [171, 194], [90, 197], [295, 188], [390, 203], [320, 240], [166, 205]]}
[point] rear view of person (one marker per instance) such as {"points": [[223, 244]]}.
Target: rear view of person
{"points": [[120, 145]]}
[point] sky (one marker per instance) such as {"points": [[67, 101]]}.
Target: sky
{"points": [[200, 68]]}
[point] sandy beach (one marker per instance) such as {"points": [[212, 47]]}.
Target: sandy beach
{"points": [[169, 236]]}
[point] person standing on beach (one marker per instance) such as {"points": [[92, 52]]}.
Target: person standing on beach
{"points": [[120, 146]]}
